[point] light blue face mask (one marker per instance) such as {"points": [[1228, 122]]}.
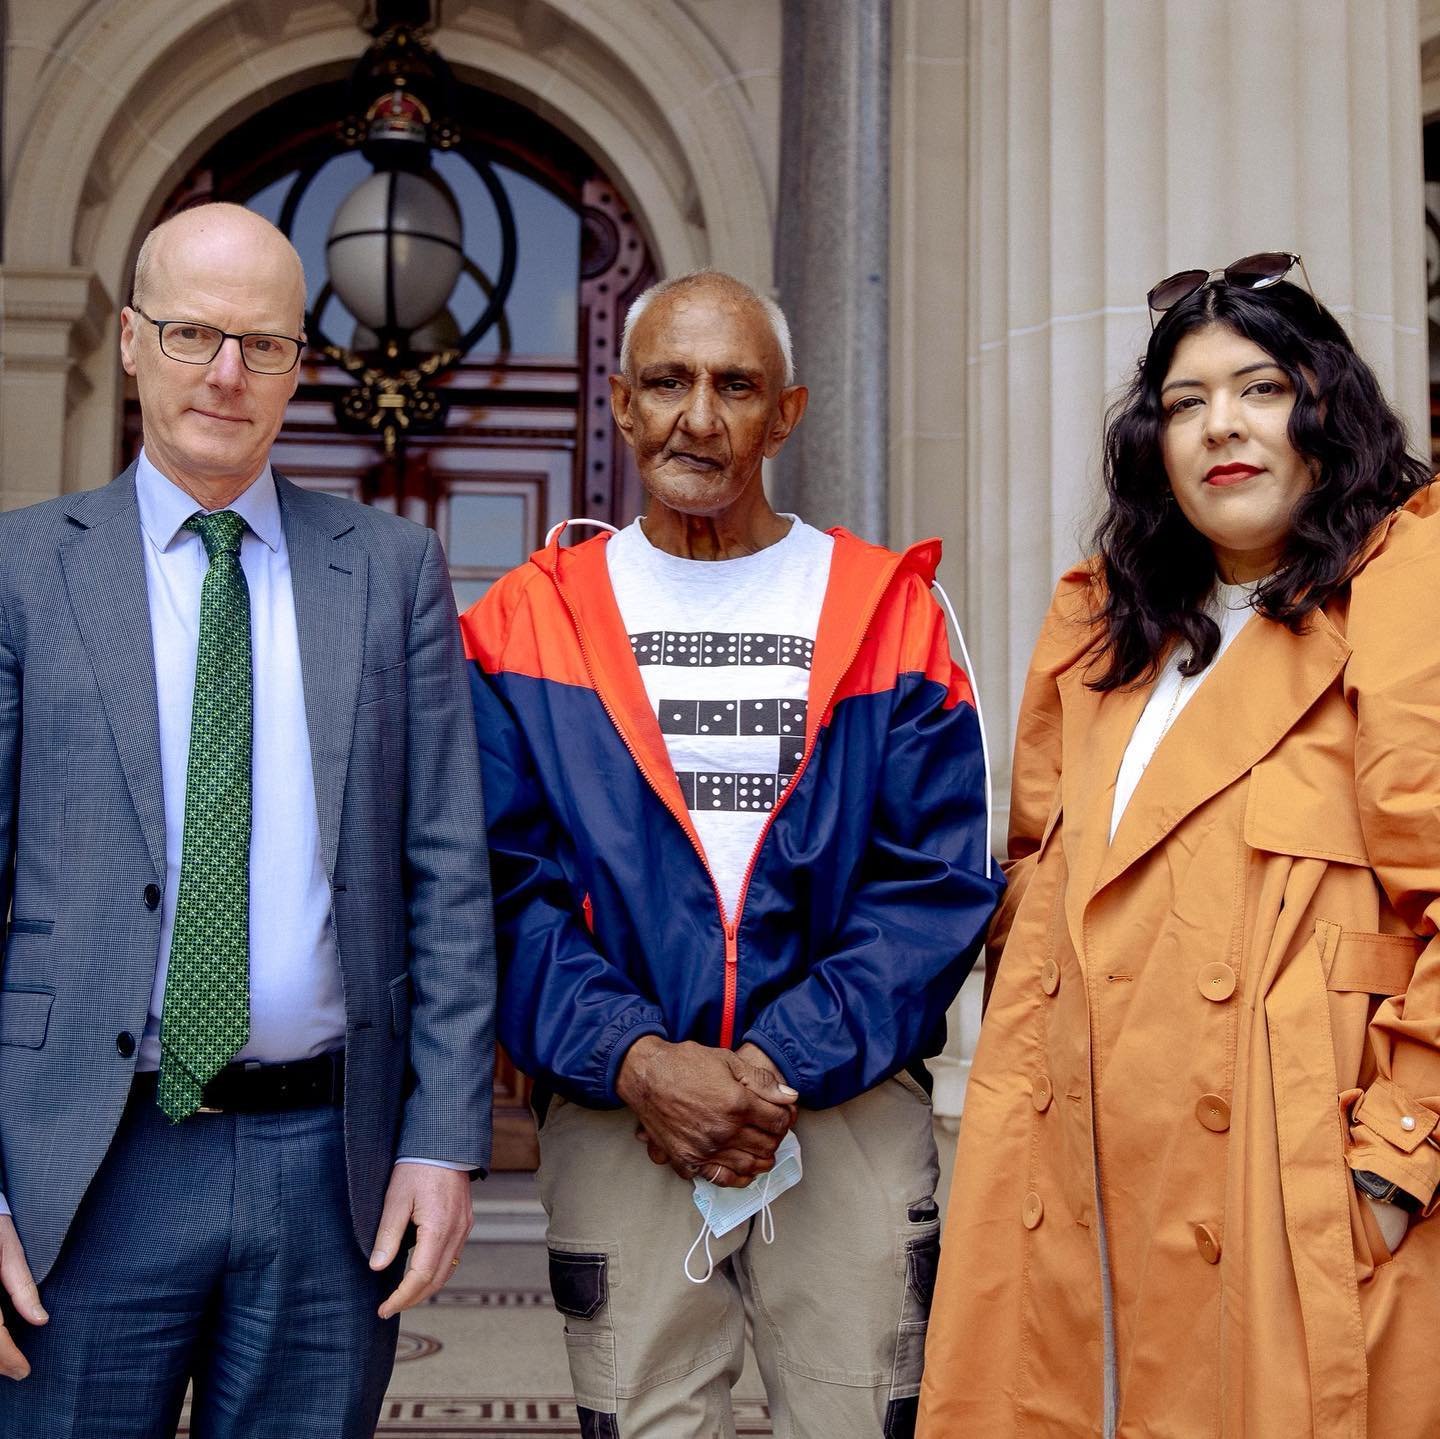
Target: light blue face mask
{"points": [[722, 1209]]}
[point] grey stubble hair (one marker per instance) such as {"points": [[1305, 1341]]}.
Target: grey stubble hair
{"points": [[699, 279]]}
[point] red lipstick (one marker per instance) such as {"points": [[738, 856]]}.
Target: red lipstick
{"points": [[1230, 474]]}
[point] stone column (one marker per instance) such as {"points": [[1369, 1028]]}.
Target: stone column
{"points": [[49, 318], [832, 223], [1114, 142], [1111, 143]]}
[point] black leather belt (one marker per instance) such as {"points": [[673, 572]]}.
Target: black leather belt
{"points": [[266, 1088]]}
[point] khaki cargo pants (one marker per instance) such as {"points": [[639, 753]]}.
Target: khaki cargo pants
{"points": [[837, 1304]]}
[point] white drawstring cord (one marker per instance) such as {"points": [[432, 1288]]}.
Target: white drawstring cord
{"points": [[593, 524], [980, 718]]}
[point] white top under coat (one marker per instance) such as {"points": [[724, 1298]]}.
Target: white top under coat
{"points": [[1229, 607]]}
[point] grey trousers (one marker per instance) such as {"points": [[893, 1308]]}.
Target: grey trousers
{"points": [[837, 1305]]}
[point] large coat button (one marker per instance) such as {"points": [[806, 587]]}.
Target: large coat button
{"points": [[125, 1044], [1050, 977], [1213, 1113], [1207, 1244], [1216, 981], [1041, 1093], [1032, 1211], [151, 896]]}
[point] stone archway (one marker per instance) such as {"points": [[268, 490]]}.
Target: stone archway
{"points": [[157, 82]]}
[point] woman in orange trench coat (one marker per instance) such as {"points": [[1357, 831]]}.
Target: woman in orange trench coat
{"points": [[1200, 1029]]}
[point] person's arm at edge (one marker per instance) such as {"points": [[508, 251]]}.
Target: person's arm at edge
{"points": [[451, 948], [15, 1277], [1393, 684]]}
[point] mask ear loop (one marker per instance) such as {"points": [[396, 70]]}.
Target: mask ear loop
{"points": [[767, 1233], [709, 1258], [767, 1218]]}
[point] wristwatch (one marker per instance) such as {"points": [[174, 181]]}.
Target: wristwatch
{"points": [[1383, 1190]]}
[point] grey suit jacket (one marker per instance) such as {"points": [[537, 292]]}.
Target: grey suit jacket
{"points": [[82, 835]]}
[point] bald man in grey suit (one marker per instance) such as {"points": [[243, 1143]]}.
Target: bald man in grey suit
{"points": [[247, 997]]}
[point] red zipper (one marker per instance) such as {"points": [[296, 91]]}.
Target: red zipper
{"points": [[732, 948], [730, 927]]}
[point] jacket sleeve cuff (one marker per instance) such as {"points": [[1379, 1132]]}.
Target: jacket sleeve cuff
{"points": [[786, 1058], [620, 1037], [785, 1067], [1394, 1136]]}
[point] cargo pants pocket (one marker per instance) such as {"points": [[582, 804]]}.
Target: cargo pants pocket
{"points": [[580, 1287], [922, 1261]]}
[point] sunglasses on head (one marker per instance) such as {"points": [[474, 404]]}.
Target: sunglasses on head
{"points": [[1253, 272]]}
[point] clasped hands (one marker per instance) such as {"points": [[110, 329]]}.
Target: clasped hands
{"points": [[712, 1112]]}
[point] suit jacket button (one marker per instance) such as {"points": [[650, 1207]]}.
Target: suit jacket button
{"points": [[125, 1043], [152, 896]]}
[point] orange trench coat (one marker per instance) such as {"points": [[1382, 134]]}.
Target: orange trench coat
{"points": [[1225, 1010]]}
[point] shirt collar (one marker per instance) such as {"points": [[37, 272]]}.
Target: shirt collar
{"points": [[164, 506]]}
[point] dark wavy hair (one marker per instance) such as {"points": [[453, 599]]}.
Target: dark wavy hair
{"points": [[1158, 569]]}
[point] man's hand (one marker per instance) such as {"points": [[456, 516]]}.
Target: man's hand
{"points": [[438, 1201], [704, 1110], [24, 1296]]}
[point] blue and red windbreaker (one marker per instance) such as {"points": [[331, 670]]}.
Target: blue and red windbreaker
{"points": [[866, 899]]}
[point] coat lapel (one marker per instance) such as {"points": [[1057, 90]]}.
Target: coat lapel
{"points": [[104, 569], [1258, 692], [1095, 728], [329, 579]]}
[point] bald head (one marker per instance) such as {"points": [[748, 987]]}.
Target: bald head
{"points": [[238, 247], [221, 273], [732, 294]]}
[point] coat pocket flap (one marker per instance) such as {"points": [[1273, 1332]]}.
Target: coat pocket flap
{"points": [[1311, 818], [25, 1016]]}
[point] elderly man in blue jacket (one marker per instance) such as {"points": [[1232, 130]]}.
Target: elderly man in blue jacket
{"points": [[736, 797]]}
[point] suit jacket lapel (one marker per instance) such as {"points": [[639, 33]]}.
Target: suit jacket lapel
{"points": [[329, 579], [104, 569], [1257, 693]]}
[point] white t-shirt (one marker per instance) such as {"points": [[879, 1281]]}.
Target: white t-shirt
{"points": [[724, 648], [1229, 607]]}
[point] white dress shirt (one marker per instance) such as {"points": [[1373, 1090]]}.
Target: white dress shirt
{"points": [[297, 1006]]}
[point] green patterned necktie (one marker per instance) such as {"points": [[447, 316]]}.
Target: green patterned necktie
{"points": [[206, 1014]]}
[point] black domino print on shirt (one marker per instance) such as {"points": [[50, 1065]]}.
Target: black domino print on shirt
{"points": [[731, 718], [710, 648]]}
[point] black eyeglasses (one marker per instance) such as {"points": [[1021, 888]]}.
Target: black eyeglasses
{"points": [[1253, 272], [195, 344]]}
